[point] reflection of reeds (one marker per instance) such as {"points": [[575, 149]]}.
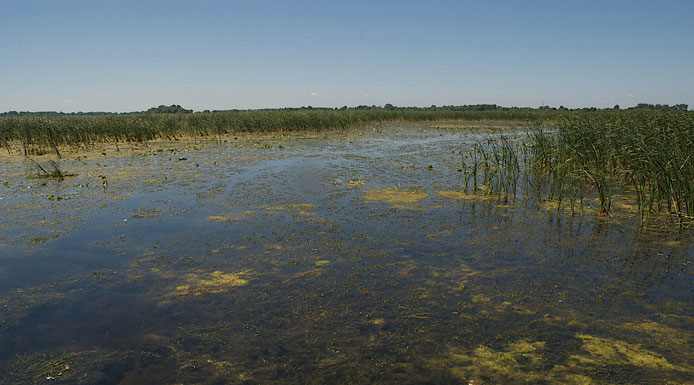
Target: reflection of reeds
{"points": [[645, 155]]}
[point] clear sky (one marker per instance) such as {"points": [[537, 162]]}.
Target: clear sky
{"points": [[124, 55]]}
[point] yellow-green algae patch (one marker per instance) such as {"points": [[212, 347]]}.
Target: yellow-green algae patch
{"points": [[460, 277], [523, 362], [222, 218], [480, 298], [229, 217], [215, 282], [520, 362], [480, 195], [394, 195], [602, 351], [288, 207], [662, 335]]}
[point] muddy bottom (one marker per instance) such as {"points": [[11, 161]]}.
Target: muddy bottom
{"points": [[347, 257]]}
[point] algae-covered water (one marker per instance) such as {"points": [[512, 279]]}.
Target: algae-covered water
{"points": [[346, 257]]}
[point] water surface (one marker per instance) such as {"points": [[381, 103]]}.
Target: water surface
{"points": [[337, 258]]}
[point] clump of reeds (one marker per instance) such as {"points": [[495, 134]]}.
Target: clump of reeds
{"points": [[645, 156], [49, 171], [493, 166]]}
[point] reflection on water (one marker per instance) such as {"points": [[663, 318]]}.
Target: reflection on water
{"points": [[339, 259]]}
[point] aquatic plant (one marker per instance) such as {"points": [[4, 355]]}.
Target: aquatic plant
{"points": [[643, 157], [38, 134], [50, 171]]}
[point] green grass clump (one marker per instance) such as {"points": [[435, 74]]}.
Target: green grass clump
{"points": [[644, 157], [647, 155]]}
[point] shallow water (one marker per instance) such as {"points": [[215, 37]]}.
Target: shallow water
{"points": [[338, 258]]}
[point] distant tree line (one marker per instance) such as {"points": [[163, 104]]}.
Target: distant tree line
{"points": [[177, 109], [661, 107], [56, 113]]}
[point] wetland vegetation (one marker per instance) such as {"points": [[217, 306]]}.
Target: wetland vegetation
{"points": [[42, 133], [348, 246], [642, 159]]}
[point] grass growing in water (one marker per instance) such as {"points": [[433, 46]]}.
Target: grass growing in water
{"points": [[40, 134], [646, 157], [50, 171]]}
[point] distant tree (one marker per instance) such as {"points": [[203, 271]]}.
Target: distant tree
{"points": [[172, 109], [389, 106], [616, 107]]}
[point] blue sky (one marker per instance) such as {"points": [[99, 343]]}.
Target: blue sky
{"points": [[131, 55]]}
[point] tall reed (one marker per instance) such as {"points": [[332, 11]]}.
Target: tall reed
{"points": [[646, 156], [40, 134]]}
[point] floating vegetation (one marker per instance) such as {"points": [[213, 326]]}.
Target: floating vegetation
{"points": [[471, 196], [519, 362], [394, 195], [312, 273], [289, 207], [524, 362], [40, 240], [223, 218], [215, 282], [605, 351], [662, 335], [231, 217]]}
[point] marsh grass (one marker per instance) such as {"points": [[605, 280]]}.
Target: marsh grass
{"points": [[38, 134], [645, 156], [493, 166], [570, 156]]}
